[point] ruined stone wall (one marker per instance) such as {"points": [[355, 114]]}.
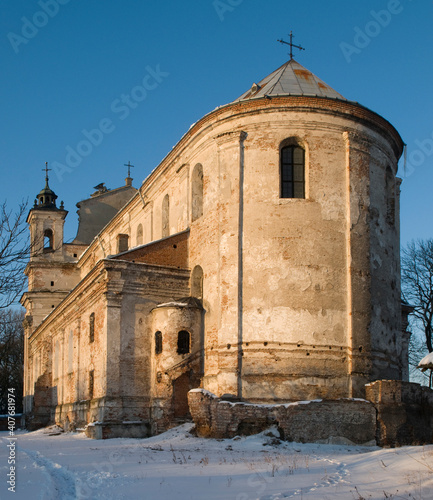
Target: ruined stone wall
{"points": [[404, 412], [340, 421]]}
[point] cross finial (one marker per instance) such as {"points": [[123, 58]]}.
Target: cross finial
{"points": [[46, 171], [291, 45], [129, 167]]}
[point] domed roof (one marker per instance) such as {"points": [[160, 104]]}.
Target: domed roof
{"points": [[46, 199], [290, 79]]}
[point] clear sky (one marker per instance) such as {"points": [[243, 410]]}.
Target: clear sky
{"points": [[67, 65]]}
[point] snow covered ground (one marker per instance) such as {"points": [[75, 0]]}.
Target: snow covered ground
{"points": [[179, 466]]}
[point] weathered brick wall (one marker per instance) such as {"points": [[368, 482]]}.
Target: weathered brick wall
{"points": [[340, 420], [404, 412], [172, 251]]}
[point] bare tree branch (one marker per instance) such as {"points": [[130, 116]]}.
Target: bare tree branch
{"points": [[14, 253], [11, 356], [417, 289]]}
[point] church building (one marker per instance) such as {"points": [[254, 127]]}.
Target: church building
{"points": [[260, 259]]}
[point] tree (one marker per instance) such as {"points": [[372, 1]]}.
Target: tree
{"points": [[11, 357], [417, 286], [14, 253]]}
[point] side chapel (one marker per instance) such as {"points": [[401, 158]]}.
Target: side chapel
{"points": [[259, 259]]}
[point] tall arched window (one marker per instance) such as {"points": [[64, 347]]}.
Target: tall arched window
{"points": [[57, 360], [92, 327], [390, 196], [197, 192], [70, 351], [197, 283], [91, 383], [48, 240], [292, 172], [166, 216], [158, 342], [183, 342], [139, 235]]}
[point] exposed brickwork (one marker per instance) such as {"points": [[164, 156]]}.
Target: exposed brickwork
{"points": [[340, 420], [171, 251], [404, 412]]}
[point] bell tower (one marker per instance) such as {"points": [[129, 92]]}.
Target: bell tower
{"points": [[51, 270], [46, 225]]}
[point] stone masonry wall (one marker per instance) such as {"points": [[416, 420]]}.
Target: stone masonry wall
{"points": [[404, 412], [332, 421], [396, 414]]}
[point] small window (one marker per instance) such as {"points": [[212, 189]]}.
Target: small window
{"points": [[92, 328], [158, 342], [122, 243], [183, 342], [91, 383], [292, 172]]}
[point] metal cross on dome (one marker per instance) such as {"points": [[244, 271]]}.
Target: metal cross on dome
{"points": [[46, 170], [129, 167], [291, 45]]}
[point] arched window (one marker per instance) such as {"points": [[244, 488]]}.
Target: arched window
{"points": [[390, 196], [197, 192], [91, 383], [57, 360], [139, 235], [197, 283], [48, 240], [292, 172], [183, 342], [70, 351], [158, 342], [166, 216], [92, 327]]}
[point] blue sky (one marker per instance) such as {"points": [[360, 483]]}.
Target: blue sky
{"points": [[67, 65]]}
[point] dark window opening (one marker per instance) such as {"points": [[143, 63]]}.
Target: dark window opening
{"points": [[183, 342], [92, 327], [52, 283], [292, 172], [91, 383], [48, 240], [122, 243], [158, 342]]}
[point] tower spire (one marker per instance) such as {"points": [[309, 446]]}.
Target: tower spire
{"points": [[291, 44], [46, 172], [46, 198], [128, 180]]}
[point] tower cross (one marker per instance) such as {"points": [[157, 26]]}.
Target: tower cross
{"points": [[129, 167], [46, 170], [291, 44]]}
